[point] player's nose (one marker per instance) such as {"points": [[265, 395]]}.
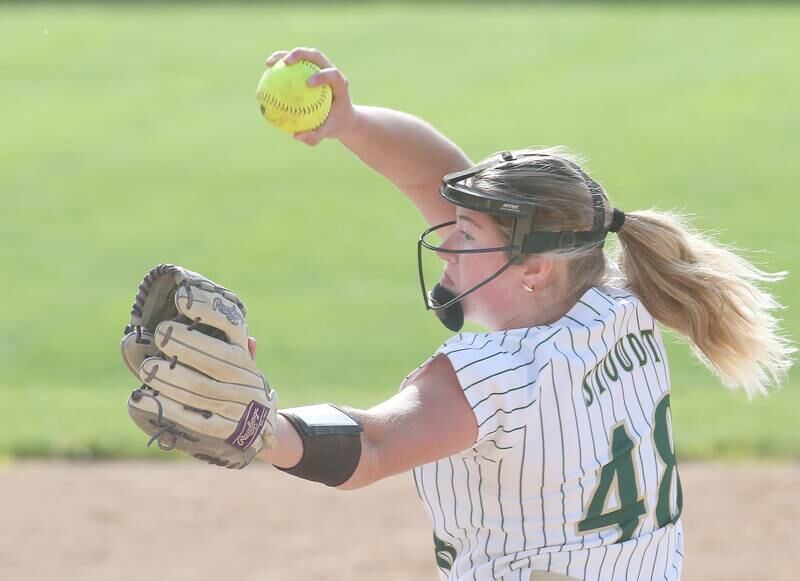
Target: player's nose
{"points": [[447, 244]]}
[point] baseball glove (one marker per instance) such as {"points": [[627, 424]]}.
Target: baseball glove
{"points": [[201, 391]]}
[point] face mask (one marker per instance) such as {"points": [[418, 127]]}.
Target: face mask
{"points": [[442, 301], [523, 240]]}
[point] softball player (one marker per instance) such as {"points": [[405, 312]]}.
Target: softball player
{"points": [[541, 448]]}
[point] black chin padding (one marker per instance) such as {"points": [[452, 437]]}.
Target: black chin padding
{"points": [[453, 316]]}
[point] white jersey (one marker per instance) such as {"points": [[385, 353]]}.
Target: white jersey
{"points": [[573, 470]]}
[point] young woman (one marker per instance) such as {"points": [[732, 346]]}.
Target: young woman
{"points": [[543, 447]]}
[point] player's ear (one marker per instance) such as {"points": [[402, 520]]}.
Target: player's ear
{"points": [[538, 270]]}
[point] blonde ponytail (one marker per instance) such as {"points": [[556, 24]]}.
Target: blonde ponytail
{"points": [[695, 286], [708, 294]]}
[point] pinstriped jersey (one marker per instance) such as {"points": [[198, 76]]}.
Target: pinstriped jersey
{"points": [[573, 470]]}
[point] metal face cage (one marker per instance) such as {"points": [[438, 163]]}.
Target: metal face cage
{"points": [[521, 210]]}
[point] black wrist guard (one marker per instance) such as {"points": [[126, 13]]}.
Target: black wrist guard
{"points": [[331, 443]]}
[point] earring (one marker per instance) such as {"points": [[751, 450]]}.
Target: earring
{"points": [[528, 288]]}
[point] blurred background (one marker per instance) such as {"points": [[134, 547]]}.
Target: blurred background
{"points": [[130, 136]]}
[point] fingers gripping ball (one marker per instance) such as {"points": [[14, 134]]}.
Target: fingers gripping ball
{"points": [[287, 101], [200, 389]]}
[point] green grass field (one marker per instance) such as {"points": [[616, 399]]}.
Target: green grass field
{"points": [[130, 135]]}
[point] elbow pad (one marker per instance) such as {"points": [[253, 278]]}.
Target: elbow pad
{"points": [[331, 443]]}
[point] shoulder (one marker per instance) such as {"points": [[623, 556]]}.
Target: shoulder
{"points": [[500, 375], [511, 344], [526, 352], [598, 300], [481, 354], [601, 308], [490, 365]]}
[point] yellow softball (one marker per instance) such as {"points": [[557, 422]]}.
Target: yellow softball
{"points": [[287, 102]]}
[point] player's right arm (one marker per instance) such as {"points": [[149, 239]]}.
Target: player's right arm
{"points": [[406, 150], [409, 152]]}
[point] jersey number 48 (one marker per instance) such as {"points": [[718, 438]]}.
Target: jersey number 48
{"points": [[631, 506]]}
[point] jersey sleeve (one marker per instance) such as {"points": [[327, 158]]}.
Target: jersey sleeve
{"points": [[501, 386]]}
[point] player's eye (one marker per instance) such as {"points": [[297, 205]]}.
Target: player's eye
{"points": [[467, 236]]}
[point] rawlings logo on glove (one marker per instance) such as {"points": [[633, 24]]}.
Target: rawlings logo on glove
{"points": [[232, 313], [250, 426], [201, 391]]}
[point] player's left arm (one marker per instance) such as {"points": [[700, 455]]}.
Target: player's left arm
{"points": [[427, 420]]}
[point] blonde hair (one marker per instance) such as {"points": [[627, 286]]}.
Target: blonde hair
{"points": [[701, 289]]}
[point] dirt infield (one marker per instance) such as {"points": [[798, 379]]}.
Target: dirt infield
{"points": [[190, 521]]}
